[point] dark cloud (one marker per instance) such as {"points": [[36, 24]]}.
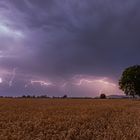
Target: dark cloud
{"points": [[59, 39]]}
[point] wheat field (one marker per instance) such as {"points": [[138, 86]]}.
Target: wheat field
{"points": [[69, 119]]}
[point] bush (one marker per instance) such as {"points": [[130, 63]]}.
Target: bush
{"points": [[102, 96]]}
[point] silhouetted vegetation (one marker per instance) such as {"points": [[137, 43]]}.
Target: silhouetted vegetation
{"points": [[33, 96], [130, 81], [102, 96], [6, 97], [65, 96]]}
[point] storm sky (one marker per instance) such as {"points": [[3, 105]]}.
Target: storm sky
{"points": [[58, 47]]}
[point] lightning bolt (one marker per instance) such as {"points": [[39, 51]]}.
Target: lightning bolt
{"points": [[42, 83], [83, 81], [103, 81], [12, 77]]}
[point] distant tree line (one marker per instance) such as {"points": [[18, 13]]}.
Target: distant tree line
{"points": [[34, 96], [46, 97], [65, 96], [43, 96]]}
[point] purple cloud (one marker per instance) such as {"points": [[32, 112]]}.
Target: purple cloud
{"points": [[56, 40]]}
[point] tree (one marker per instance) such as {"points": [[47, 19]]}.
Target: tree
{"points": [[23, 96], [65, 96], [28, 96], [102, 96], [130, 81]]}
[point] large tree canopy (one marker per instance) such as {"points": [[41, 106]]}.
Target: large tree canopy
{"points": [[130, 81]]}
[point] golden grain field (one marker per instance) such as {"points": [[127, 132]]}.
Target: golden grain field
{"points": [[69, 119]]}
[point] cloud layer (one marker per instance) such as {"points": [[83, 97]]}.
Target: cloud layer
{"points": [[57, 40]]}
